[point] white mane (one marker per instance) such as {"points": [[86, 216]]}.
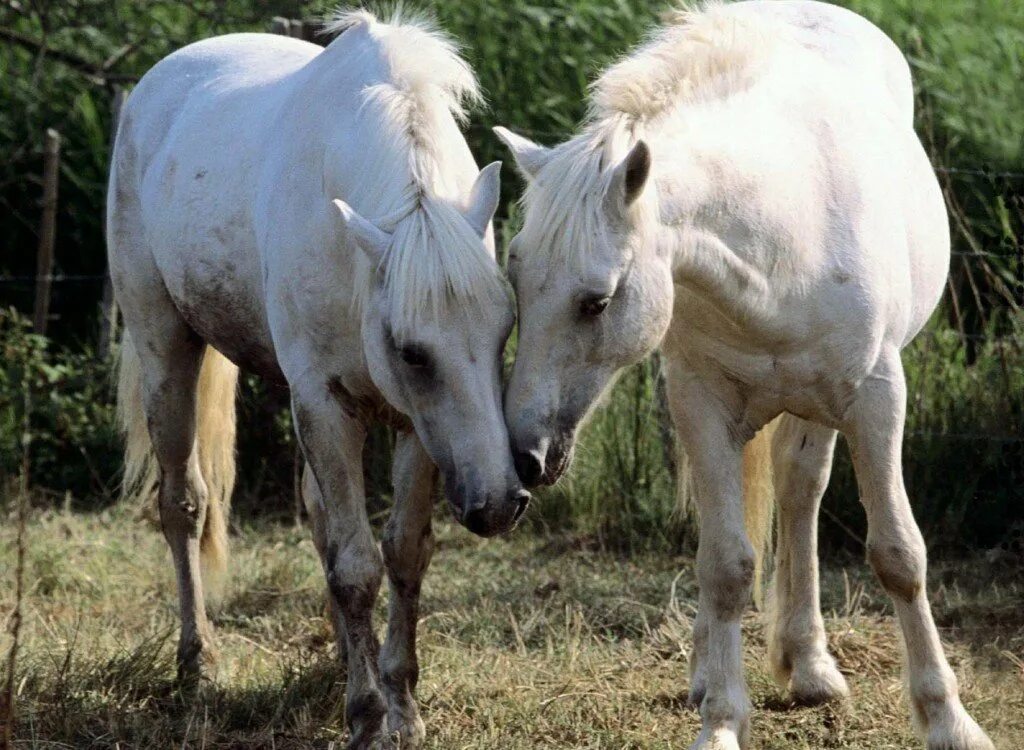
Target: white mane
{"points": [[707, 53], [704, 54], [425, 62], [435, 256]]}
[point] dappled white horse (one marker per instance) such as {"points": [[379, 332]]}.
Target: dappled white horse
{"points": [[315, 216], [749, 194]]}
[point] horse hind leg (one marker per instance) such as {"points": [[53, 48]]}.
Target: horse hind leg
{"points": [[183, 498], [797, 648], [170, 356], [159, 375]]}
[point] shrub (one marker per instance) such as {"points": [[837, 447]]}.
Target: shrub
{"points": [[74, 448]]}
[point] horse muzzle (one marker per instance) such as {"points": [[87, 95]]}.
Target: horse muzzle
{"points": [[543, 463], [486, 513]]}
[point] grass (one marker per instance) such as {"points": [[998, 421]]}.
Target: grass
{"points": [[529, 642]]}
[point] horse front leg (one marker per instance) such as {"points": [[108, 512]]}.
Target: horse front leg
{"points": [[332, 442], [725, 566], [896, 552], [408, 545], [316, 509]]}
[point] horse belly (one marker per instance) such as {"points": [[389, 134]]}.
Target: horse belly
{"points": [[222, 305]]}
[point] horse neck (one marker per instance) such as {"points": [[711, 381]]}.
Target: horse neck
{"points": [[702, 259]]}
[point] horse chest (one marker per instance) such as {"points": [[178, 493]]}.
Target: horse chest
{"points": [[816, 382], [806, 356]]}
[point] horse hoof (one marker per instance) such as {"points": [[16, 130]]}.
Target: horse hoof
{"points": [[816, 684], [960, 733], [719, 739]]}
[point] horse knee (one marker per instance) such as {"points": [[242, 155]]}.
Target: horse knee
{"points": [[354, 575], [899, 566], [726, 576], [407, 554]]}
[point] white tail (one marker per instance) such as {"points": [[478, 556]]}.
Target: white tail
{"points": [[215, 436], [758, 496]]}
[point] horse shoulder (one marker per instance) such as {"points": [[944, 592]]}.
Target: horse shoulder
{"points": [[779, 290]]}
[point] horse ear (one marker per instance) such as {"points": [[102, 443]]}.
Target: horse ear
{"points": [[629, 177], [530, 157], [372, 240], [483, 197]]}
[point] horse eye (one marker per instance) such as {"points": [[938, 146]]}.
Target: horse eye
{"points": [[415, 357], [594, 306]]}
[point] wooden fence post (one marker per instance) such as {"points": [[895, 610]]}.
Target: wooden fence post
{"points": [[295, 27], [47, 229], [280, 25], [108, 305]]}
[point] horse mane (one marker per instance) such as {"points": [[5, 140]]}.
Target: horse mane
{"points": [[425, 62], [702, 54], [435, 256], [709, 52]]}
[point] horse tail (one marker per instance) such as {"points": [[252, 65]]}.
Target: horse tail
{"points": [[215, 433], [759, 500], [215, 438]]}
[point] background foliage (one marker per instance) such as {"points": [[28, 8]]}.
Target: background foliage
{"points": [[60, 59]]}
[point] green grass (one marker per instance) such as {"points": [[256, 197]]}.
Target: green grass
{"points": [[964, 456], [526, 642]]}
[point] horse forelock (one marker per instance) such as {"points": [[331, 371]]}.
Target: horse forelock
{"points": [[564, 203], [435, 259], [437, 262]]}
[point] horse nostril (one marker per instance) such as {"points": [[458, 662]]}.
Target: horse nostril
{"points": [[475, 520], [522, 500], [529, 467]]}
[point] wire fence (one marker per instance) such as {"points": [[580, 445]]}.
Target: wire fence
{"points": [[976, 255], [552, 136]]}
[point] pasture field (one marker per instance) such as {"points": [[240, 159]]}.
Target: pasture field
{"points": [[573, 632], [527, 642]]}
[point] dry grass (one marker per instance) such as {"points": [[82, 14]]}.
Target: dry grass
{"points": [[525, 643]]}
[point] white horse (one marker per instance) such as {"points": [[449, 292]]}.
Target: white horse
{"points": [[749, 194], [315, 216]]}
